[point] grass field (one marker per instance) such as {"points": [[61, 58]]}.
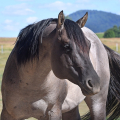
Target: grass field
{"points": [[8, 44], [100, 35]]}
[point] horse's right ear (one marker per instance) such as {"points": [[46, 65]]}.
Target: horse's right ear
{"points": [[61, 20], [81, 22]]}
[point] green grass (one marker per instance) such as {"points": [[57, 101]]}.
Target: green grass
{"points": [[3, 59], [8, 45], [100, 35]]}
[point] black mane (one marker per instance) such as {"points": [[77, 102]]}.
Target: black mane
{"points": [[75, 33], [27, 44]]}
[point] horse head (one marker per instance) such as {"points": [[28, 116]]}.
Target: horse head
{"points": [[70, 55]]}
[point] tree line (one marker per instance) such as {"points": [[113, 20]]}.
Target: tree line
{"points": [[112, 32]]}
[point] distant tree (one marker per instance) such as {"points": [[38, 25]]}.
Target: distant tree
{"points": [[109, 34], [115, 27], [119, 27], [116, 30], [67, 17], [119, 33], [113, 32]]}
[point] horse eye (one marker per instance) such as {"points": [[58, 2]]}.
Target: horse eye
{"points": [[67, 48]]}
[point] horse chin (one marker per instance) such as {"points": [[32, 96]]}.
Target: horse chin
{"points": [[88, 92]]}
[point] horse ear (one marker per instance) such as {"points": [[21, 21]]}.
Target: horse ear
{"points": [[61, 20], [81, 22]]}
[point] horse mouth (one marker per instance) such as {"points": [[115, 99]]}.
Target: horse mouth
{"points": [[88, 92]]}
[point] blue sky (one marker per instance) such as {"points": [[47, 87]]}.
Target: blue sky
{"points": [[16, 14]]}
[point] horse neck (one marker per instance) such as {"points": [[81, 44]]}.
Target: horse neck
{"points": [[36, 71]]}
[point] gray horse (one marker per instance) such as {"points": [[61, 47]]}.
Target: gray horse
{"points": [[106, 62], [29, 87]]}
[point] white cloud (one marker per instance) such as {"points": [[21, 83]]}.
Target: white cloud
{"points": [[10, 25], [68, 7], [81, 1], [58, 5], [21, 9], [8, 21], [31, 19], [24, 0], [9, 28]]}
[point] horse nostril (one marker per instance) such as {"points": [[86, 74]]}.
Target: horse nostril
{"points": [[90, 83]]}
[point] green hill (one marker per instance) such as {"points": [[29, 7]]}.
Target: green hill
{"points": [[98, 21]]}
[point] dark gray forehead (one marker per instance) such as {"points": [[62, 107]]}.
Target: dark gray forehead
{"points": [[48, 30]]}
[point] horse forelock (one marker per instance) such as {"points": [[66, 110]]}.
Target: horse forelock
{"points": [[75, 33], [27, 43]]}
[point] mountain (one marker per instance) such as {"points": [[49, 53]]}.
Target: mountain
{"points": [[98, 21]]}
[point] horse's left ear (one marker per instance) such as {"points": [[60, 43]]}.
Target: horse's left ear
{"points": [[61, 20], [81, 22]]}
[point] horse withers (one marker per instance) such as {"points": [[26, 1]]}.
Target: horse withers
{"points": [[29, 88]]}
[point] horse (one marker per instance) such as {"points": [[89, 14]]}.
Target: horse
{"points": [[106, 62], [34, 80]]}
